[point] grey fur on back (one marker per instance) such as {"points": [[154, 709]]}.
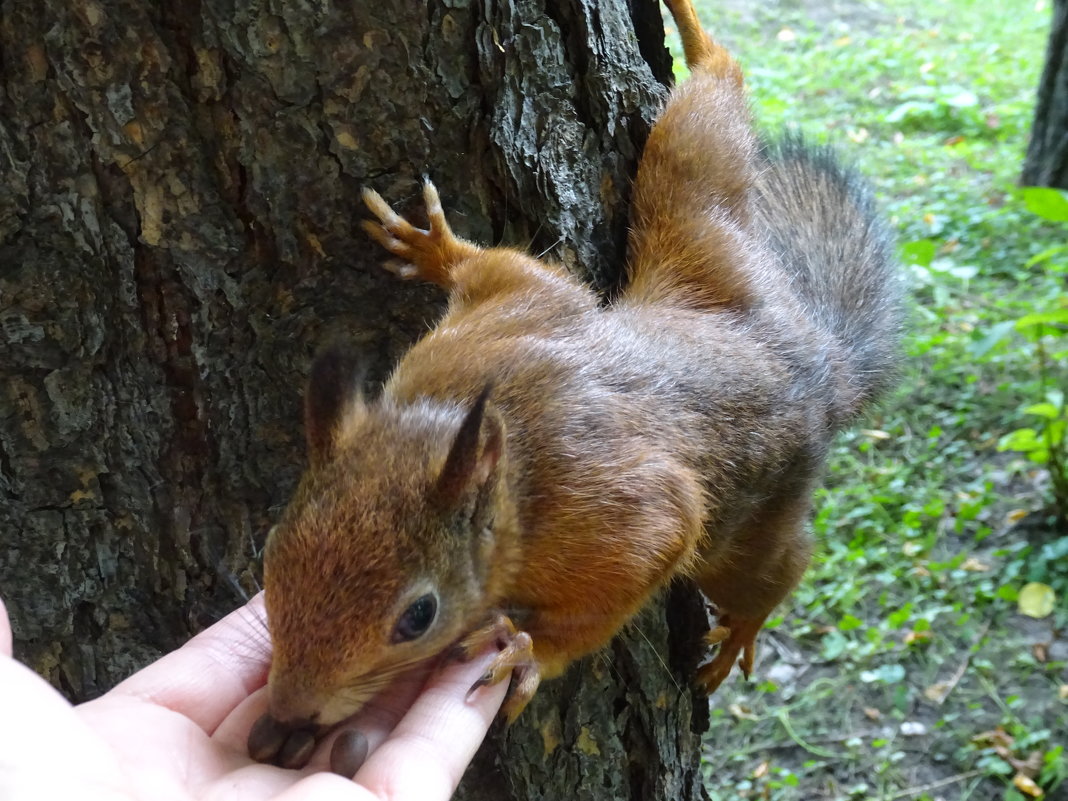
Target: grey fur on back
{"points": [[820, 219]]}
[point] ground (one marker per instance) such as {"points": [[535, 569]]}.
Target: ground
{"points": [[903, 668]]}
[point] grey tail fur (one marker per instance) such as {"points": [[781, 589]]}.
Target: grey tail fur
{"points": [[821, 220]]}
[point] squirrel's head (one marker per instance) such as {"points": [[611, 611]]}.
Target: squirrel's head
{"points": [[382, 559]]}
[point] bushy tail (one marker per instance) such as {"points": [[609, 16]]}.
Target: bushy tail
{"points": [[819, 218]]}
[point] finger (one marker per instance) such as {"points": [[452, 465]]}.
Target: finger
{"points": [[211, 674], [431, 747], [233, 730], [5, 631], [46, 751], [382, 714]]}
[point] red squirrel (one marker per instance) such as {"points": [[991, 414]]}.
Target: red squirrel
{"points": [[540, 464]]}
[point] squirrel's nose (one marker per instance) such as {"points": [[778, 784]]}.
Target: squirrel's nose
{"points": [[293, 705]]}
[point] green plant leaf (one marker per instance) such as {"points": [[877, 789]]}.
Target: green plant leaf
{"points": [[1046, 410], [995, 335], [1046, 255], [1022, 439], [1047, 203], [834, 645], [1007, 592], [849, 622], [920, 253], [1057, 317]]}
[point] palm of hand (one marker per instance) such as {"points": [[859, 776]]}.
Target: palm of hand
{"points": [[178, 728]]}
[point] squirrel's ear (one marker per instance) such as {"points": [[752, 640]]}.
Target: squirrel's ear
{"points": [[332, 397], [472, 457]]}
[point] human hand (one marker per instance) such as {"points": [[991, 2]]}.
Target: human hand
{"points": [[178, 730]]}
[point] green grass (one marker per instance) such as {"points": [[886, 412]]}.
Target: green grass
{"points": [[903, 649]]}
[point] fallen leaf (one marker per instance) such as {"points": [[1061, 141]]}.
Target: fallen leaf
{"points": [[973, 565], [936, 692], [1027, 786], [761, 770], [916, 636], [1040, 651], [874, 433], [1062, 692], [996, 737], [953, 140], [874, 714], [1016, 515], [741, 712], [1036, 600]]}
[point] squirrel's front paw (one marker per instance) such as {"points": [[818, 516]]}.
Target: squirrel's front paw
{"points": [[516, 657], [429, 255]]}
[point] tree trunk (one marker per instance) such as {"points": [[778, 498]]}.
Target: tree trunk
{"points": [[1047, 154], [178, 232]]}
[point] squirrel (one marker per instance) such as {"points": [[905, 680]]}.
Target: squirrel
{"points": [[540, 464]]}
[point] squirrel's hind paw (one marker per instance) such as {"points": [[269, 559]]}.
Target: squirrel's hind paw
{"points": [[733, 637]]}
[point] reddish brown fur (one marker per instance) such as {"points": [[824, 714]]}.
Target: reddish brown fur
{"points": [[678, 431]]}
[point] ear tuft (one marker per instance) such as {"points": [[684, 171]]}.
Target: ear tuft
{"points": [[333, 390], [471, 463]]}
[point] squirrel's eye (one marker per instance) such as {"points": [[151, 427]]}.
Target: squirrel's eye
{"points": [[416, 619]]}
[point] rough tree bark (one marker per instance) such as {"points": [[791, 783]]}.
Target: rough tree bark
{"points": [[178, 232], [1047, 154]]}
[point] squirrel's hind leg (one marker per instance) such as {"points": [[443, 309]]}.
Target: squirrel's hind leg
{"points": [[748, 578]]}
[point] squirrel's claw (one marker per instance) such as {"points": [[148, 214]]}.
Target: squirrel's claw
{"points": [[526, 677], [516, 658]]}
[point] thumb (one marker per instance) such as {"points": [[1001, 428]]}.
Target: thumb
{"points": [[5, 631]]}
